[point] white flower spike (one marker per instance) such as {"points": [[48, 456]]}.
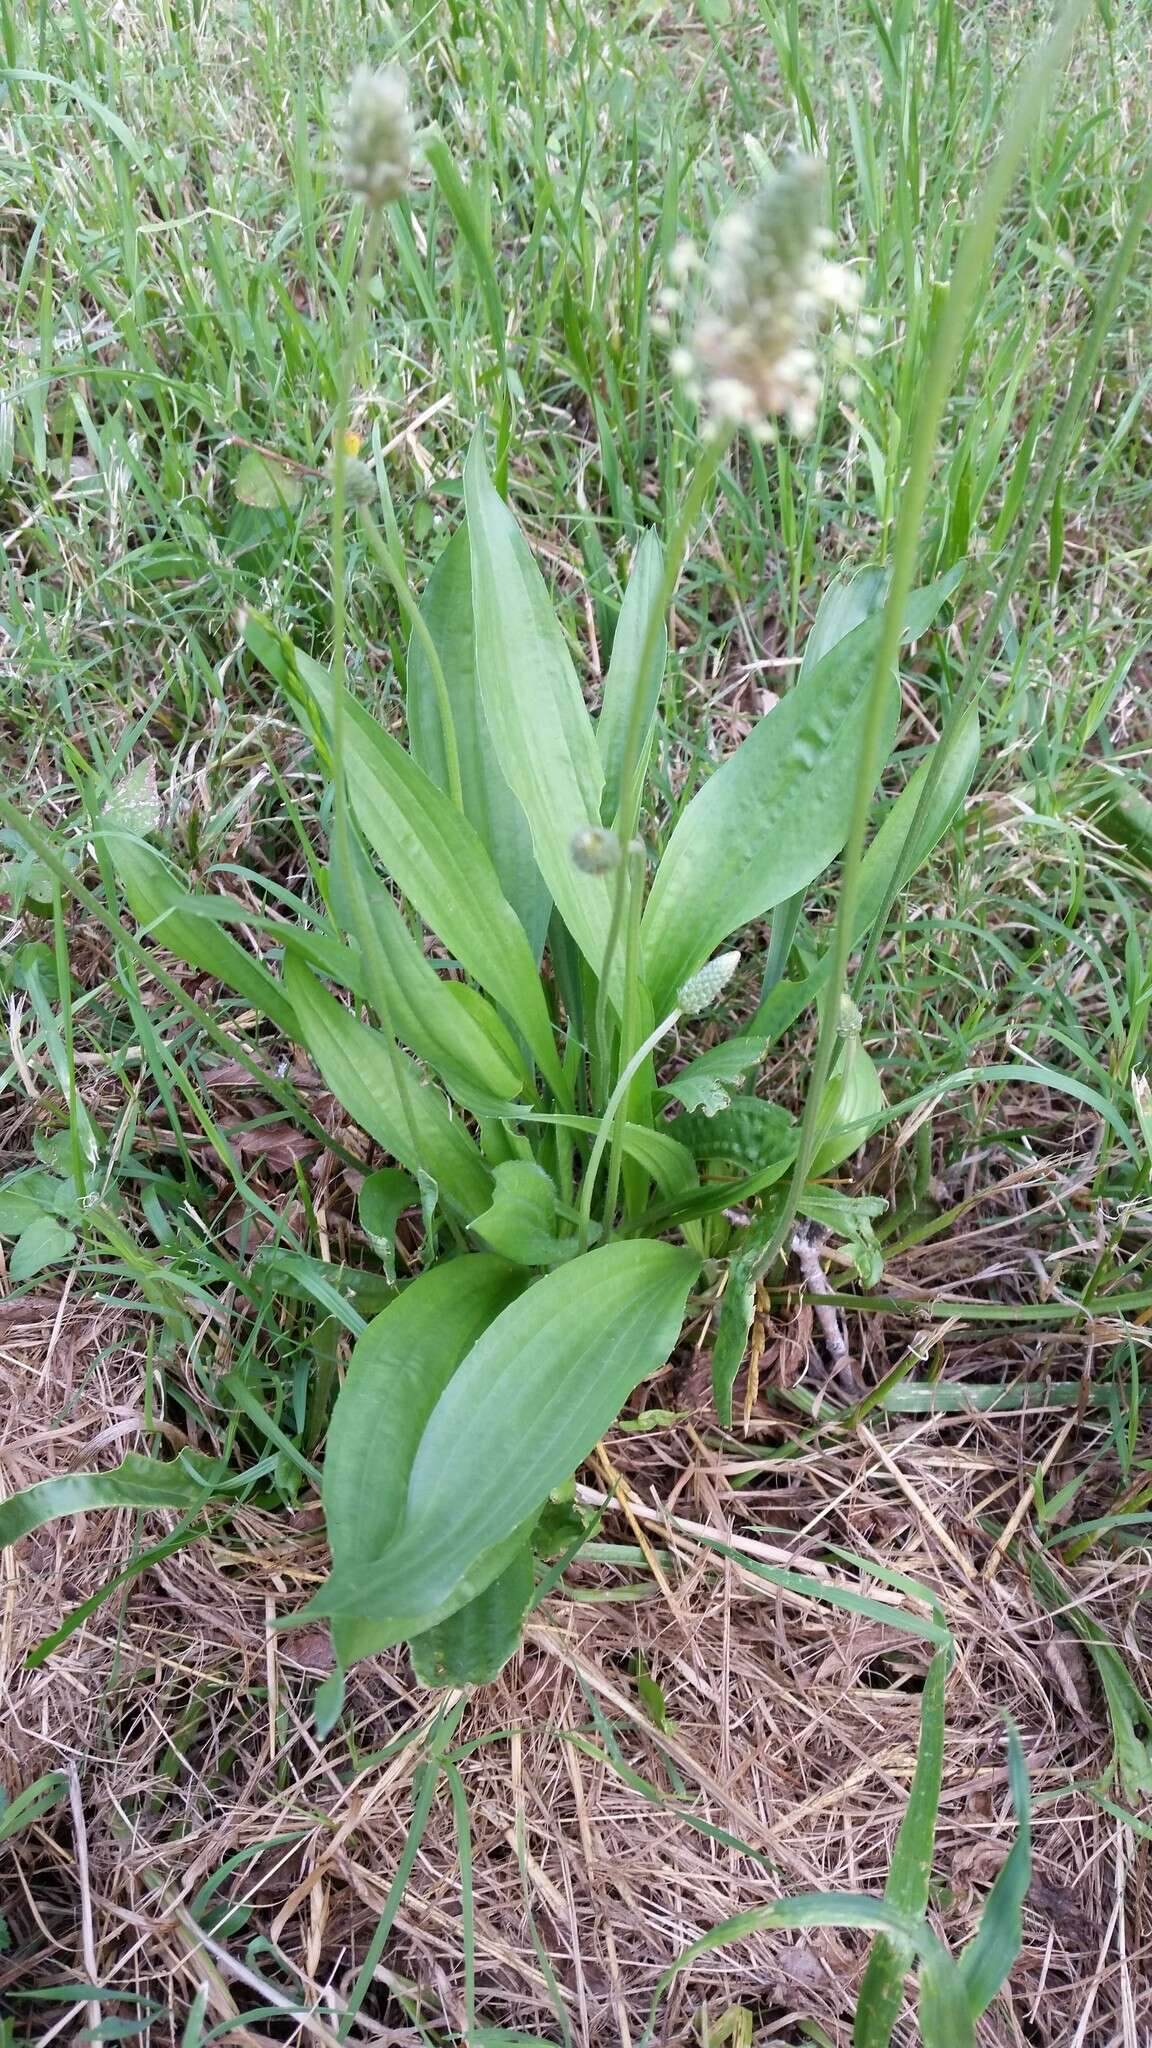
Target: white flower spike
{"points": [[768, 289], [704, 989], [375, 134]]}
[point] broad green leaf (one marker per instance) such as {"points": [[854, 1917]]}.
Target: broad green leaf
{"points": [[989, 1956], [707, 1083], [266, 484], [30, 1194], [474, 1644], [910, 1871], [476, 1015], [520, 1224], [770, 818], [850, 1217], [166, 910], [623, 680], [533, 708], [382, 1200], [516, 1418], [802, 798], [462, 1040], [750, 1133], [137, 1482], [384, 1092], [885, 858], [396, 1374], [858, 595], [488, 802], [43, 1243], [429, 848]]}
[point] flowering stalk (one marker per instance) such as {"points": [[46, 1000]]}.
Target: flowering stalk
{"points": [[949, 340], [375, 132]]}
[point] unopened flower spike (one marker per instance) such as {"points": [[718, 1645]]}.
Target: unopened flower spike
{"points": [[704, 988], [768, 287], [374, 130]]}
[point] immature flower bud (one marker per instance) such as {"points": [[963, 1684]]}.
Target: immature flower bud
{"points": [[704, 988], [595, 850], [375, 134]]}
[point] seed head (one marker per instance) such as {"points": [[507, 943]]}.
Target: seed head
{"points": [[704, 988], [360, 487], [375, 134], [768, 287], [595, 850]]}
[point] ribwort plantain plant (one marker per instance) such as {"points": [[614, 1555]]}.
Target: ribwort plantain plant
{"points": [[584, 1180]]}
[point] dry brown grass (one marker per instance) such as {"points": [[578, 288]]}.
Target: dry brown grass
{"points": [[186, 1721]]}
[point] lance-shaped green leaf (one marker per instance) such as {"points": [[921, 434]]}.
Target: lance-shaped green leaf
{"points": [[891, 855], [985, 1963], [855, 596], [520, 1224], [853, 1103], [384, 1092], [137, 1482], [397, 1372], [383, 1198], [475, 1643], [429, 848], [624, 683], [168, 912], [777, 811], [488, 802], [534, 1393], [533, 708], [769, 820], [464, 1042]]}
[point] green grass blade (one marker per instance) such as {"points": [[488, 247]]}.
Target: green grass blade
{"points": [[911, 1869], [989, 1956]]}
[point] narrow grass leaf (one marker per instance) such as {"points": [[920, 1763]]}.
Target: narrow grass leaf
{"points": [[827, 1909], [910, 1871], [989, 1956]]}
